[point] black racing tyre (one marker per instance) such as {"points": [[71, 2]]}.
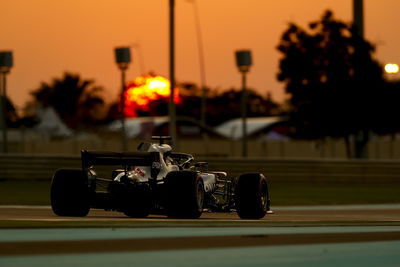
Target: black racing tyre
{"points": [[137, 213], [138, 203], [69, 193], [184, 194], [134, 200], [251, 196]]}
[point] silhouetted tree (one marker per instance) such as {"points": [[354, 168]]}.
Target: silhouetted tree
{"points": [[11, 118], [225, 105], [77, 101], [332, 80], [386, 105]]}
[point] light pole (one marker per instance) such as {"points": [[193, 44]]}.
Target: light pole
{"points": [[358, 16], [362, 136], [142, 67], [201, 62], [123, 58], [243, 61], [171, 106], [6, 63]]}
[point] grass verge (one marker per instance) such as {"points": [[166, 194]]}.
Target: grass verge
{"points": [[334, 193], [16, 192]]}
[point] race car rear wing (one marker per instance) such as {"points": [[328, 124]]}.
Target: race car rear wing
{"points": [[90, 158]]}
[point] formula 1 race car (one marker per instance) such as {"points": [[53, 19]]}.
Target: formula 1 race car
{"points": [[156, 180]]}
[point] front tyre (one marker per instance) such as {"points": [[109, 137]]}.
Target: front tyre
{"points": [[252, 196], [184, 194], [69, 193]]}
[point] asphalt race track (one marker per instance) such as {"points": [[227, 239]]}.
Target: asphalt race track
{"points": [[322, 214], [364, 235]]}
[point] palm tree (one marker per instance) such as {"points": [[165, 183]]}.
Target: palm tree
{"points": [[72, 97]]}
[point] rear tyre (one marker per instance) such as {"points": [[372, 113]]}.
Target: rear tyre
{"points": [[69, 193], [184, 194], [134, 200], [252, 196], [137, 213], [138, 203]]}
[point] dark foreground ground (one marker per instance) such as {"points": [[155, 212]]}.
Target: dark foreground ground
{"points": [[346, 230], [350, 235]]}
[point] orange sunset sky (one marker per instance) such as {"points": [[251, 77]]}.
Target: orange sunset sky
{"points": [[50, 37]]}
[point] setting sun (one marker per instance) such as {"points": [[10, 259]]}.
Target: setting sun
{"points": [[145, 89]]}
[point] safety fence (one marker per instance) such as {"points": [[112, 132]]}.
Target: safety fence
{"points": [[39, 167]]}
